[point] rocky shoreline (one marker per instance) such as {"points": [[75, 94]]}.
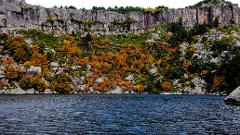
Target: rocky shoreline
{"points": [[20, 91]]}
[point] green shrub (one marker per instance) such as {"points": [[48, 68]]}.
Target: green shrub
{"points": [[231, 73], [94, 8], [198, 29], [125, 9], [179, 32], [224, 44], [42, 39]]}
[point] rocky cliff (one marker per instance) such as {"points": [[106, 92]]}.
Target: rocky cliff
{"points": [[16, 14]]}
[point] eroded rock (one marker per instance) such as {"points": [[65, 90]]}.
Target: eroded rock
{"points": [[234, 97]]}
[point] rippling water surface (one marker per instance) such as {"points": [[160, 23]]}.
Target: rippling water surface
{"points": [[117, 114]]}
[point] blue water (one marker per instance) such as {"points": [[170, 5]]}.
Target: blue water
{"points": [[117, 114]]}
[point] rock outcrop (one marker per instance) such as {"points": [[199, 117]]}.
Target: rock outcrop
{"points": [[16, 14], [234, 97]]}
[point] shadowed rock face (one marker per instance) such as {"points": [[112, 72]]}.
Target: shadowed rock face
{"points": [[17, 15], [234, 97]]}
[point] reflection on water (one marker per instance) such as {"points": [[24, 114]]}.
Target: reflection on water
{"points": [[117, 114]]}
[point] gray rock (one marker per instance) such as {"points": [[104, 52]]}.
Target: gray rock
{"points": [[99, 80], [48, 91], [118, 90], [35, 69], [31, 91], [198, 82], [234, 97], [197, 90], [20, 15]]}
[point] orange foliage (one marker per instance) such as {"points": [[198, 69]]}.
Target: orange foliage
{"points": [[39, 60], [2, 84], [8, 61], [217, 81], [166, 86], [12, 73], [104, 86], [139, 88]]}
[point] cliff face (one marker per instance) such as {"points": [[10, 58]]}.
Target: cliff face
{"points": [[17, 15]]}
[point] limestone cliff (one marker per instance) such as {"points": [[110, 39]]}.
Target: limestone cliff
{"points": [[16, 14]]}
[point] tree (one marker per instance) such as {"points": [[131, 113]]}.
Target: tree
{"points": [[231, 73]]}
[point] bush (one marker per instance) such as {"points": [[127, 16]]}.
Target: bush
{"points": [[12, 74], [125, 9], [18, 49], [94, 8], [224, 44], [198, 29], [179, 32], [231, 73], [39, 60], [72, 7], [41, 38], [22, 54], [2, 84], [166, 86], [29, 82], [61, 83]]}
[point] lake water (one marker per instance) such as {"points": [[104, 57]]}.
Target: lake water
{"points": [[117, 114]]}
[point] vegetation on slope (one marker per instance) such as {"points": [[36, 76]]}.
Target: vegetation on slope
{"points": [[168, 58]]}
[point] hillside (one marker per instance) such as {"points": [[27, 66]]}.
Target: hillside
{"points": [[168, 58], [39, 56]]}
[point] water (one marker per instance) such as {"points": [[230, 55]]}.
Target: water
{"points": [[117, 114]]}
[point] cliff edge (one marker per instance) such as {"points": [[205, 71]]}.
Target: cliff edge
{"points": [[16, 14]]}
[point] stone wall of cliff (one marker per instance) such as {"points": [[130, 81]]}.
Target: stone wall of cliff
{"points": [[17, 15]]}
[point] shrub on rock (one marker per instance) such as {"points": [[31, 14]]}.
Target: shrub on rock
{"points": [[29, 82], [61, 83]]}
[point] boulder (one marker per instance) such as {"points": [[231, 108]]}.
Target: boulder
{"points": [[35, 69], [118, 90], [99, 80], [234, 97], [48, 91], [31, 91], [196, 91]]}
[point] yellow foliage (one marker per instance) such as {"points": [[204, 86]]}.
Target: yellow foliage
{"points": [[195, 38], [204, 72], [151, 10], [139, 88], [187, 63], [192, 50]]}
